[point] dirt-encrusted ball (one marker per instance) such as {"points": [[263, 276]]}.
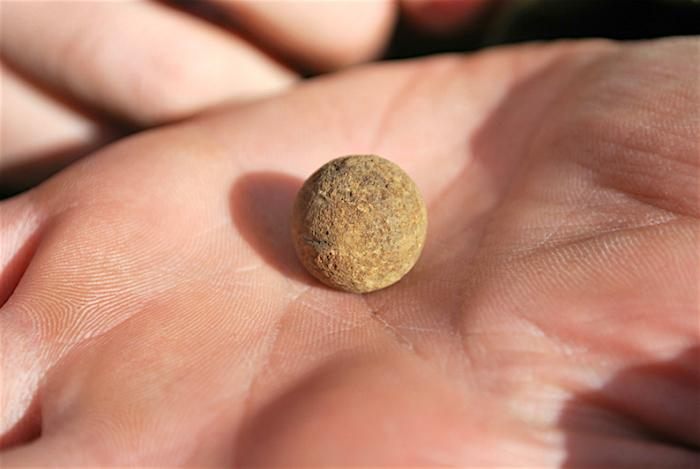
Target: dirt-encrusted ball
{"points": [[359, 223]]}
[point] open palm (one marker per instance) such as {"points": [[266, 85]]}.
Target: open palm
{"points": [[160, 316]]}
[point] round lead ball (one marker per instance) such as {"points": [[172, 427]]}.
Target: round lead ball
{"points": [[359, 223]]}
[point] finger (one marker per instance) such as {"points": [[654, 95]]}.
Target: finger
{"points": [[140, 60], [442, 16], [40, 133], [323, 34], [20, 226]]}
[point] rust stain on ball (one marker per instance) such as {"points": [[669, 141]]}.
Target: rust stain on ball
{"points": [[359, 223]]}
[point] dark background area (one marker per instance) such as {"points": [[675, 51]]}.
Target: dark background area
{"points": [[512, 21]]}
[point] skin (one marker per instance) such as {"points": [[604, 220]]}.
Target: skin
{"points": [[160, 317], [107, 69]]}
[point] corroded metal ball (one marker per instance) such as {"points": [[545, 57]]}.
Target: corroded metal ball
{"points": [[359, 223]]}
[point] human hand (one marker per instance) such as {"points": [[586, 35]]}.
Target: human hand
{"points": [[70, 68], [160, 316], [77, 75]]}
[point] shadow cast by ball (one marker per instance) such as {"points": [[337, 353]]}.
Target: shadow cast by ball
{"points": [[261, 209]]}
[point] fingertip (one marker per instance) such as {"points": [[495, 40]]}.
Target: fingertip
{"points": [[320, 35], [351, 44]]}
